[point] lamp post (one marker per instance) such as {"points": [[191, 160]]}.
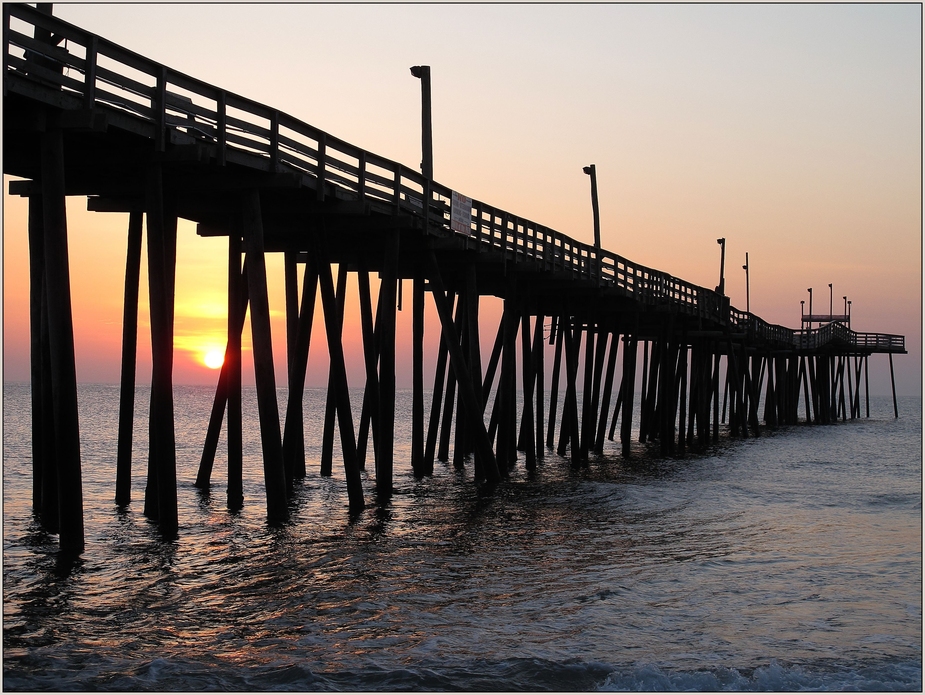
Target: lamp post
{"points": [[748, 309], [846, 307], [422, 72], [830, 301], [849, 313], [810, 290], [722, 263], [592, 172], [802, 314]]}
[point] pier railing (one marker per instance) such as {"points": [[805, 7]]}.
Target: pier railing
{"points": [[88, 72]]}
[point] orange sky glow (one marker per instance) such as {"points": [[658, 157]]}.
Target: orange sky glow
{"points": [[794, 131]]}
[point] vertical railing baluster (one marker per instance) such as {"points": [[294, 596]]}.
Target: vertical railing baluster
{"points": [[322, 147], [396, 194], [274, 142], [6, 42], [90, 73], [221, 125], [160, 108]]}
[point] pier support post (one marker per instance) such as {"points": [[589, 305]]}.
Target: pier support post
{"points": [[528, 371], [539, 374], [608, 391], [161, 490], [293, 429], [417, 373], [129, 350], [430, 447], [264, 376], [330, 406], [477, 424], [554, 387], [446, 423], [333, 324], [385, 437], [369, 417], [237, 306], [628, 386], [893, 385], [44, 465], [61, 344]]}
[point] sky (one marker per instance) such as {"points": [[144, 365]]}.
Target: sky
{"points": [[794, 131]]}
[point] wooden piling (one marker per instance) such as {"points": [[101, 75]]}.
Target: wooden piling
{"points": [[433, 425], [41, 439], [587, 395], [293, 429], [570, 412], [482, 445], [539, 374], [237, 306], [417, 371], [129, 350], [628, 387], [893, 385], [370, 412], [297, 434], [161, 490], [554, 387], [330, 406], [235, 323], [61, 344], [529, 373], [267, 407], [386, 435], [608, 390], [446, 425], [333, 324]]}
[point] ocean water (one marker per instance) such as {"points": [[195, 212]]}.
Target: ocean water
{"points": [[792, 561]]}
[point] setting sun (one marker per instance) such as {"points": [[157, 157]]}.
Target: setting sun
{"points": [[214, 358]]}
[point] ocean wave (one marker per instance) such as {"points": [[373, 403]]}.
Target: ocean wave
{"points": [[775, 677]]}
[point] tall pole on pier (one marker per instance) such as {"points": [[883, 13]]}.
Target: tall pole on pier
{"points": [[810, 290], [830, 300], [748, 305], [721, 288], [592, 172], [422, 72]]}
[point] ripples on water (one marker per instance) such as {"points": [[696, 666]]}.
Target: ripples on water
{"points": [[792, 561]]}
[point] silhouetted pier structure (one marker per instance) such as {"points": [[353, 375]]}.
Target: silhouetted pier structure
{"points": [[83, 116]]}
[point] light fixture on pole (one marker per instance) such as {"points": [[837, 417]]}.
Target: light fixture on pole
{"points": [[592, 172], [721, 288], [748, 309]]}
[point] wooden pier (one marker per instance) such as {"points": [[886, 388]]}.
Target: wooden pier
{"points": [[84, 116]]}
